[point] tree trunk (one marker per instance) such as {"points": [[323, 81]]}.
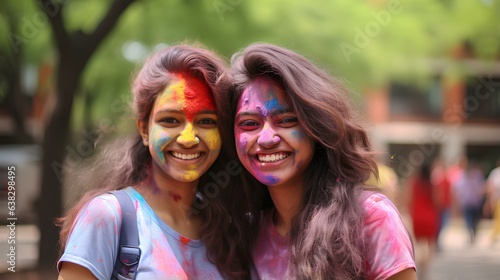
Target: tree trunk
{"points": [[74, 52], [54, 149]]}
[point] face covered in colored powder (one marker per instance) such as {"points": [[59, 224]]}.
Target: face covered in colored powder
{"points": [[183, 137], [271, 144]]}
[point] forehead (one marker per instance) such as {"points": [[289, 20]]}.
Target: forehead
{"points": [[264, 96], [263, 89], [186, 90]]}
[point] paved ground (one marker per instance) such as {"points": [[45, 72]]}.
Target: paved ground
{"points": [[457, 260]]}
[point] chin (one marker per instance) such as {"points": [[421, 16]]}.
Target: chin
{"points": [[268, 180]]}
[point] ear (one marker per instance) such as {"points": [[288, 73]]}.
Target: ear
{"points": [[143, 127]]}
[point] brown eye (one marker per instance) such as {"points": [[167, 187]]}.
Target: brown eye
{"points": [[248, 125], [168, 120], [288, 122], [207, 122]]}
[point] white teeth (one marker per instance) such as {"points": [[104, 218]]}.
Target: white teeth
{"points": [[186, 156], [273, 157]]}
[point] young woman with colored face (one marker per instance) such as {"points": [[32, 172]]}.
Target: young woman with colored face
{"points": [[296, 135], [189, 224]]}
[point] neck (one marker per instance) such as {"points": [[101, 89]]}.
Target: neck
{"points": [[287, 200], [171, 200]]}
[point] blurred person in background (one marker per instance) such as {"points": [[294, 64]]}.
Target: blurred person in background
{"points": [[493, 199], [456, 168], [425, 216], [469, 192], [444, 198]]}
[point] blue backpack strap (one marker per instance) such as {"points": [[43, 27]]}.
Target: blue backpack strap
{"points": [[129, 252]]}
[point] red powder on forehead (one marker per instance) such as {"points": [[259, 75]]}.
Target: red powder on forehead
{"points": [[198, 95]]}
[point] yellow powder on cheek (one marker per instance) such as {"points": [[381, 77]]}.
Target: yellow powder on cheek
{"points": [[213, 140]]}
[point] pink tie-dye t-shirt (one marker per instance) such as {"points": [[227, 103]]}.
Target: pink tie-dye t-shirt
{"points": [[165, 254], [389, 247]]}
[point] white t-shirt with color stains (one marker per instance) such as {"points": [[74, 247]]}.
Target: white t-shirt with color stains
{"points": [[165, 254]]}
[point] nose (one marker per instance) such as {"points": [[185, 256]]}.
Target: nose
{"points": [[268, 137], [188, 136]]}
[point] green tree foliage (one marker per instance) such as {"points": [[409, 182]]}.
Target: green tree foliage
{"points": [[364, 42]]}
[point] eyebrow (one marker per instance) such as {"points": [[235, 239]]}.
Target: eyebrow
{"points": [[208, 111], [177, 111], [247, 113], [281, 111], [167, 110], [256, 114]]}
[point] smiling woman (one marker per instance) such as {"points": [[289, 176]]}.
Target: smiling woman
{"points": [[296, 135], [184, 231], [181, 132], [268, 134]]}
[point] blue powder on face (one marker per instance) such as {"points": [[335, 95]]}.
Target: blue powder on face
{"points": [[158, 148], [273, 104], [271, 180]]}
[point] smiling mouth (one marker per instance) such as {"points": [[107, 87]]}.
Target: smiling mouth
{"points": [[185, 156], [272, 157]]}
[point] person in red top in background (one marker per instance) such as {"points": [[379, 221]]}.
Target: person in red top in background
{"points": [[444, 197], [425, 217]]}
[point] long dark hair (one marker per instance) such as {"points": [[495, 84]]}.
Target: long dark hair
{"points": [[326, 237], [223, 214]]}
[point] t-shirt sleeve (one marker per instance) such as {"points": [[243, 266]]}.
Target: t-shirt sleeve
{"points": [[94, 237], [388, 244]]}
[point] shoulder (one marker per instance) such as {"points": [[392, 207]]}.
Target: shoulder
{"points": [[103, 208], [102, 205], [94, 236], [495, 173], [388, 245], [383, 218], [379, 210], [372, 201]]}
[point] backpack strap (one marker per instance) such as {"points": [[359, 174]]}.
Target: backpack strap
{"points": [[129, 252]]}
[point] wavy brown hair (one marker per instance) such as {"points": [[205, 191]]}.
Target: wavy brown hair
{"points": [[223, 216], [326, 239]]}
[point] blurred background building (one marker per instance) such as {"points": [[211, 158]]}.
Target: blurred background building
{"points": [[446, 117]]}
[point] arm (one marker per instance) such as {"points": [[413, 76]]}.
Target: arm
{"points": [[73, 271], [389, 250], [93, 242], [407, 274]]}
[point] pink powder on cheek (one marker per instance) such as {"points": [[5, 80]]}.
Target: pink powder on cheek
{"points": [[242, 140]]}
